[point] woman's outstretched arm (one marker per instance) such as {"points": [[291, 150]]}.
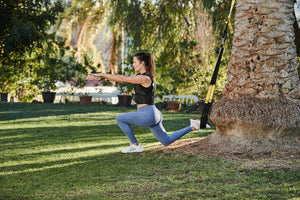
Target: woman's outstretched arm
{"points": [[143, 80]]}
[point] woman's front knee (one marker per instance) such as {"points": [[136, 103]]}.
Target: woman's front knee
{"points": [[119, 118]]}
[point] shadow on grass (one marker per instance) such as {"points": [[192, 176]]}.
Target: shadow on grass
{"points": [[12, 111], [24, 138], [145, 175], [52, 135], [78, 157], [71, 156]]}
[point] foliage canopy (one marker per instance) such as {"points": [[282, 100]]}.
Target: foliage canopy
{"points": [[29, 50], [167, 29]]}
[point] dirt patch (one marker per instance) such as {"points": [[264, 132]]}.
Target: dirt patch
{"points": [[203, 147]]}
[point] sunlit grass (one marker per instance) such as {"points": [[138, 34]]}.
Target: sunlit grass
{"points": [[73, 152], [36, 139]]}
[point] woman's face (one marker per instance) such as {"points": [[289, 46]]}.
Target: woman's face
{"points": [[138, 65]]}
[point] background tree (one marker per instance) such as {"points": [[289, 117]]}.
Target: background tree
{"points": [[210, 18], [23, 24], [115, 51], [171, 30], [52, 63], [262, 95], [84, 19]]}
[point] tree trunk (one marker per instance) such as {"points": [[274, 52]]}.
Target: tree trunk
{"points": [[114, 52], [79, 36], [262, 94]]}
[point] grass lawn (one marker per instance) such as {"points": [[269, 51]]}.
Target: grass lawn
{"points": [[56, 151]]}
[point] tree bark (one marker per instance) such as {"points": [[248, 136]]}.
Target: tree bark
{"points": [[262, 94]]}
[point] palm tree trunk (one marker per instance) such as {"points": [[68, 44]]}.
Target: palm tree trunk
{"points": [[78, 42], [115, 47], [262, 94]]}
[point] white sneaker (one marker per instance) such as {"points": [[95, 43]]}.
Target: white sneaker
{"points": [[196, 123], [208, 126], [133, 148]]}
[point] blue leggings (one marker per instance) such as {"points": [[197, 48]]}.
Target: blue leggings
{"points": [[149, 116]]}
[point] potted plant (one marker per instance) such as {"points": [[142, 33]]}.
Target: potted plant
{"points": [[174, 104], [124, 97], [126, 89], [8, 81], [85, 99], [53, 63]]}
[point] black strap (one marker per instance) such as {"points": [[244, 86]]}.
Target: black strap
{"points": [[208, 104]]}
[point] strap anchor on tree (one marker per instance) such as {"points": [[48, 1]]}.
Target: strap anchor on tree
{"points": [[210, 92]]}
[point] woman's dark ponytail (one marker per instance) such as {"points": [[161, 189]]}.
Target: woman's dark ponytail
{"points": [[148, 60]]}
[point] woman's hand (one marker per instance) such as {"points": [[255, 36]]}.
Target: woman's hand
{"points": [[95, 76]]}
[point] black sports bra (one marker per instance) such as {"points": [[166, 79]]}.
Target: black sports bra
{"points": [[144, 95]]}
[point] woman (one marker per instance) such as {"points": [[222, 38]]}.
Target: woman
{"points": [[147, 114]]}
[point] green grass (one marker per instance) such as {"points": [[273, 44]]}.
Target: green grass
{"points": [[73, 152]]}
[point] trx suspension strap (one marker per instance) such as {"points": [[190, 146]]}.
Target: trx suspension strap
{"points": [[209, 95]]}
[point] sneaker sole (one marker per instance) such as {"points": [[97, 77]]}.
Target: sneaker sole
{"points": [[132, 152]]}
